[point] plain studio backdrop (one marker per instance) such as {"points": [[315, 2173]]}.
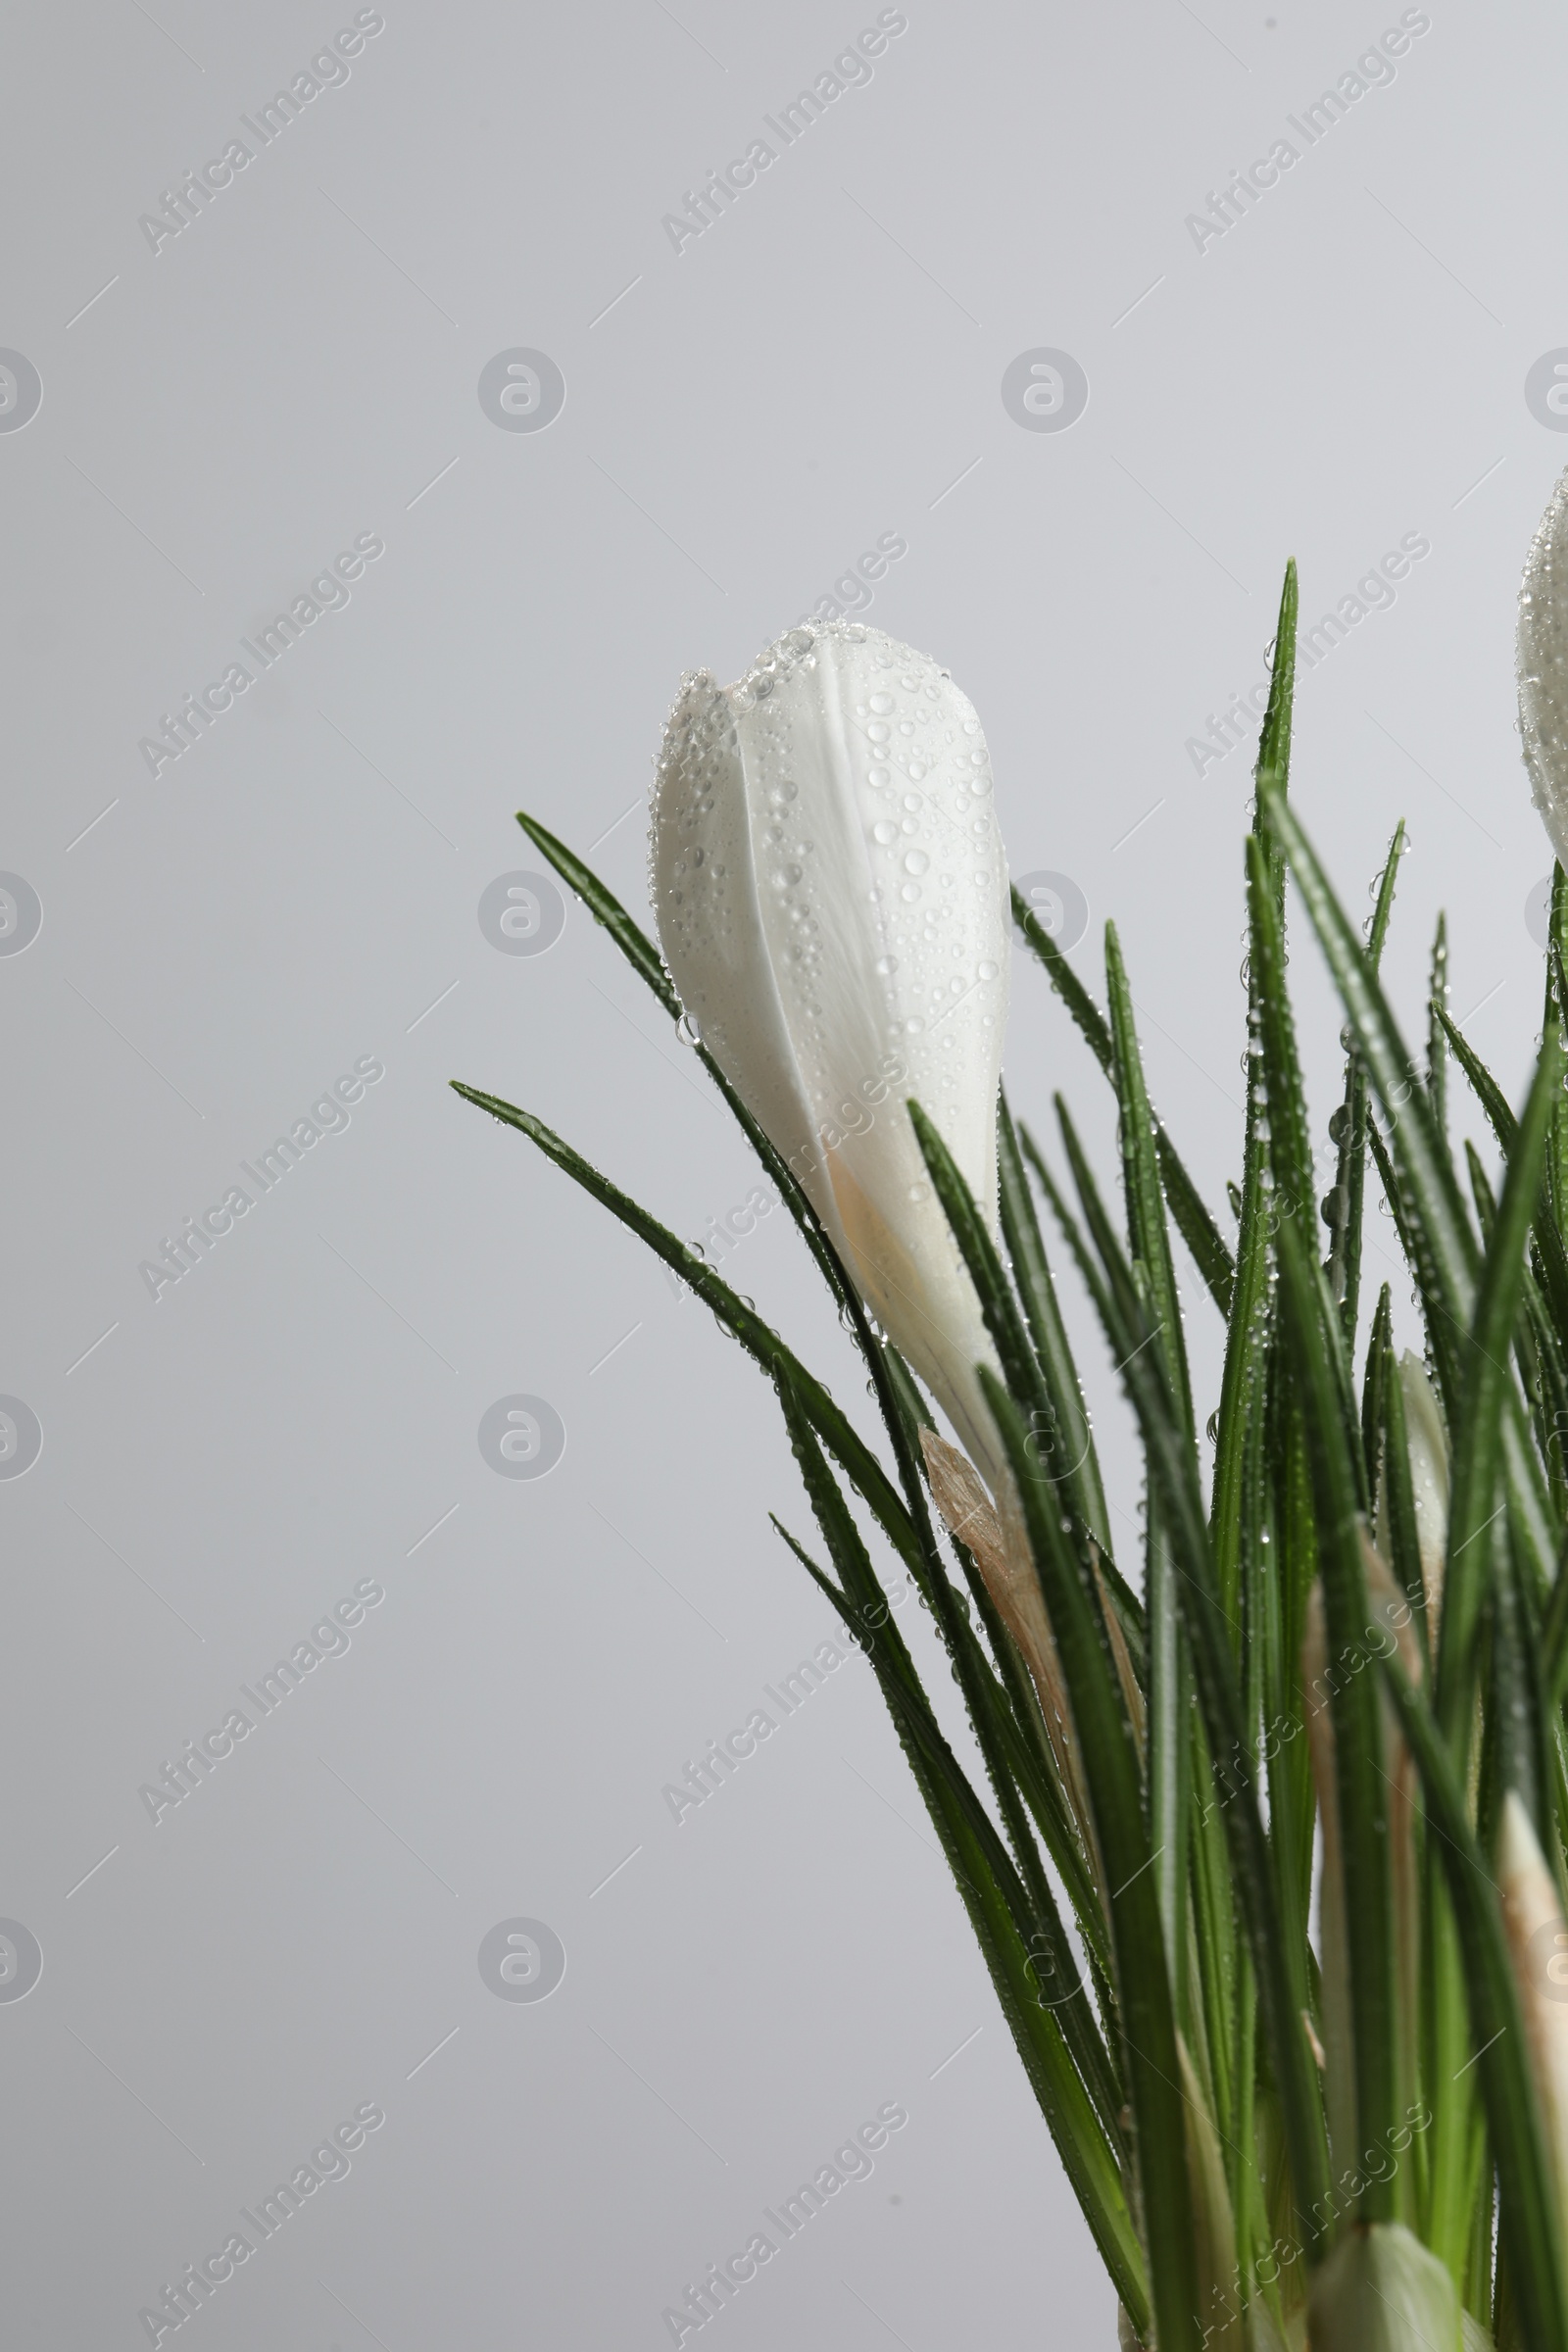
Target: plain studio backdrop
{"points": [[460, 359]]}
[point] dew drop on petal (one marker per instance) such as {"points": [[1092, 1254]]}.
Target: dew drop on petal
{"points": [[916, 862], [987, 970], [882, 704]]}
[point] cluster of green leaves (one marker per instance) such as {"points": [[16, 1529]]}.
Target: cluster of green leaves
{"points": [[1174, 2031]]}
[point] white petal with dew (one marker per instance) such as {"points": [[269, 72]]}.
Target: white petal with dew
{"points": [[1542, 655], [832, 902]]}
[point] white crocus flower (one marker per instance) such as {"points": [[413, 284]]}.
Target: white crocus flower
{"points": [[1543, 666], [832, 903]]}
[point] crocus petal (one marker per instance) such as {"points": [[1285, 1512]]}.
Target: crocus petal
{"points": [[1538, 1938], [1543, 666], [831, 897]]}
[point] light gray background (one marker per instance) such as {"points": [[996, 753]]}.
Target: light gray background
{"points": [[822, 365]]}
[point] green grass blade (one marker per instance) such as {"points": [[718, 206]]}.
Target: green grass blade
{"points": [[1150, 2059], [1273, 763], [1031, 1271], [1196, 1226], [1444, 1254], [1363, 1782], [759, 1341], [1487, 1093], [1348, 1129], [607, 909], [1144, 1199], [1436, 1028], [1530, 2223], [1278, 1958], [1025, 1889], [1290, 1147], [1478, 1456]]}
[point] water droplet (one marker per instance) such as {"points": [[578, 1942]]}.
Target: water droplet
{"points": [[882, 704], [885, 832], [878, 730], [687, 1032], [920, 1191], [876, 777], [916, 862], [910, 893], [916, 771], [887, 965], [914, 1024], [987, 970]]}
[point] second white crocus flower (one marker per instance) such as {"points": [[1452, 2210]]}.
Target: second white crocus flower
{"points": [[1543, 667], [831, 896]]}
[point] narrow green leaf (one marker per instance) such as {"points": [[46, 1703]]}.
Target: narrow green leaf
{"points": [[1030, 1901], [1278, 1956], [1151, 2058], [1530, 2220], [1437, 1029], [1443, 1247], [1478, 1461], [759, 1341], [1348, 1129], [1145, 1206], [1196, 1226], [1079, 1466], [1361, 1780]]}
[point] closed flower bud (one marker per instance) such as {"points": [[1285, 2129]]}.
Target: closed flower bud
{"points": [[831, 897]]}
